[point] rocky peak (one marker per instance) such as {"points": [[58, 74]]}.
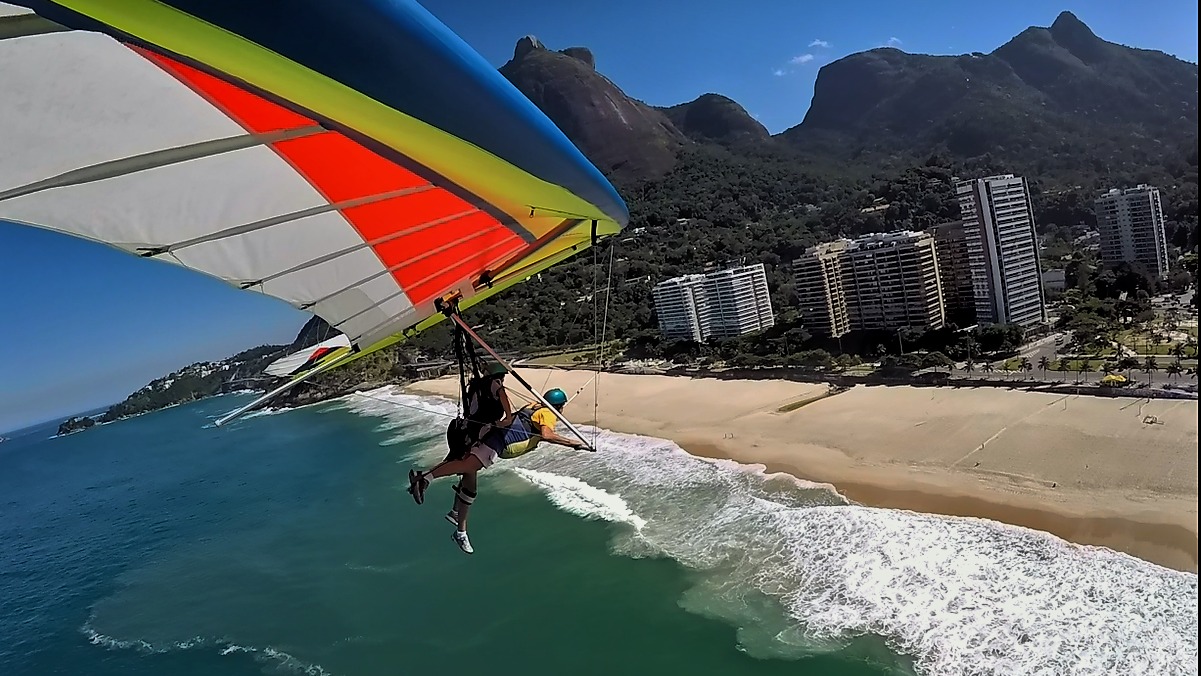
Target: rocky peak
{"points": [[582, 54], [1067, 25], [623, 137], [526, 45], [1077, 38], [713, 117]]}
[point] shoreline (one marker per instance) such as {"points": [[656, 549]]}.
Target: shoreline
{"points": [[1157, 538], [1081, 468]]}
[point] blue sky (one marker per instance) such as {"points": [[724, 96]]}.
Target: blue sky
{"points": [[85, 325]]}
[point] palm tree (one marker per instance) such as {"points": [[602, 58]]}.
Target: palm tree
{"points": [[1083, 368], [988, 367], [1174, 370], [1178, 351], [969, 366], [1128, 364], [1026, 366], [1044, 363], [1149, 367], [1063, 367], [1007, 369], [1191, 344]]}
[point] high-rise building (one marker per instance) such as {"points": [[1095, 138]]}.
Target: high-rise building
{"points": [[719, 304], [823, 301], [894, 282], [1002, 250], [738, 301], [682, 307], [955, 273], [1131, 225], [878, 281]]}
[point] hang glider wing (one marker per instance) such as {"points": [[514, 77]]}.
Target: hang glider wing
{"points": [[354, 159]]}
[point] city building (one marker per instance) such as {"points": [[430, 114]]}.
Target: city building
{"points": [[955, 273], [682, 308], [893, 282], [823, 302], [1055, 280], [878, 281], [738, 301], [1002, 250], [720, 304], [1131, 226]]}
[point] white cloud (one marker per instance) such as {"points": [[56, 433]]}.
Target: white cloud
{"points": [[803, 58], [893, 42], [779, 72], [819, 43]]}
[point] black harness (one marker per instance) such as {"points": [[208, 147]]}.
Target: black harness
{"points": [[481, 406]]}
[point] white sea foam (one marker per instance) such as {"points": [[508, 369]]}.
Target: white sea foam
{"points": [[581, 499], [801, 570], [279, 658]]}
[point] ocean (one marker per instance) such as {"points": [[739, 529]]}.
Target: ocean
{"points": [[285, 543]]}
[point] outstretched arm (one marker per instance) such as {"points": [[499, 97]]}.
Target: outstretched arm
{"points": [[548, 434]]}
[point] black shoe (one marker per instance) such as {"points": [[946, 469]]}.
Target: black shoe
{"points": [[417, 485]]}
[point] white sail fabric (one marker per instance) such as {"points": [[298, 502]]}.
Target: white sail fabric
{"points": [[289, 365], [101, 143]]}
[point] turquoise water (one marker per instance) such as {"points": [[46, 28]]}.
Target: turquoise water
{"points": [[286, 544]]}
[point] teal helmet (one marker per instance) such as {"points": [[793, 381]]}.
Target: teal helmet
{"points": [[556, 398], [495, 368]]}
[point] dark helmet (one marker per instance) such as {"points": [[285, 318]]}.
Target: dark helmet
{"points": [[556, 398], [495, 368]]}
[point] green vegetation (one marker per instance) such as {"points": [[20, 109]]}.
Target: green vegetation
{"points": [[204, 379]]}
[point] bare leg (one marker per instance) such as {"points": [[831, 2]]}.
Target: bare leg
{"points": [[468, 486], [419, 481], [470, 464]]}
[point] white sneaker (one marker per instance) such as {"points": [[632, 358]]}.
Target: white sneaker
{"points": [[453, 517], [461, 540]]}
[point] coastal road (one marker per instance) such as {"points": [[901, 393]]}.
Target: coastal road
{"points": [[1034, 351], [1043, 347]]}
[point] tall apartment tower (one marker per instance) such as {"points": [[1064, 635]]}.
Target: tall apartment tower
{"points": [[1131, 226], [894, 282], [955, 272], [682, 308], [878, 281], [720, 304], [1002, 250], [738, 301], [823, 301]]}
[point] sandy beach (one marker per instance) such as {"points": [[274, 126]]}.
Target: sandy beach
{"points": [[1087, 469]]}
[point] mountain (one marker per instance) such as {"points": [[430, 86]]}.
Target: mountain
{"points": [[716, 118], [1057, 101], [1048, 98], [623, 137]]}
